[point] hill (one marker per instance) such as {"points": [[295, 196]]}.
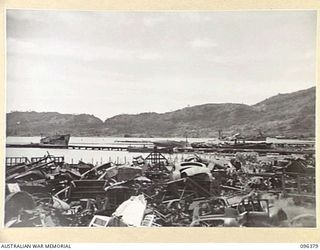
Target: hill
{"points": [[284, 114], [290, 114], [46, 123]]}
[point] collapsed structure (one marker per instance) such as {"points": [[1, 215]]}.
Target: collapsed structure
{"points": [[231, 190]]}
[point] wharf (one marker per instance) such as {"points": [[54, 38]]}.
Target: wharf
{"points": [[77, 147], [179, 150]]}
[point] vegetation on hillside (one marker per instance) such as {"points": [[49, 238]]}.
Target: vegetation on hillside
{"points": [[284, 114]]}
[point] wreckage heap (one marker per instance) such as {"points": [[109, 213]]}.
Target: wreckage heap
{"points": [[229, 191]]}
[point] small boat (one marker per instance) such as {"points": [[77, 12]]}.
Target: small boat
{"points": [[62, 140]]}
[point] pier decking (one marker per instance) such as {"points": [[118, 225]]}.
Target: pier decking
{"points": [[77, 147], [180, 150]]}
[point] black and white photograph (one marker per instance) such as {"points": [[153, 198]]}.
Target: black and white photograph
{"points": [[160, 118]]}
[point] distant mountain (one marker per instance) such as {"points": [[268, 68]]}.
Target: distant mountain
{"points": [[284, 114], [47, 123], [289, 114]]}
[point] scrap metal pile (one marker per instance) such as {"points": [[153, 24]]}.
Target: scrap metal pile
{"points": [[241, 190]]}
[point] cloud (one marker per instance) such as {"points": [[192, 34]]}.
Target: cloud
{"points": [[152, 56], [203, 43], [57, 48], [172, 56]]}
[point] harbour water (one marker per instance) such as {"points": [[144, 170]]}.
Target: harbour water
{"points": [[98, 157], [89, 156]]}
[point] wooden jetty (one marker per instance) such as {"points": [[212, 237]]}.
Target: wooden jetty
{"points": [[180, 150], [77, 147]]}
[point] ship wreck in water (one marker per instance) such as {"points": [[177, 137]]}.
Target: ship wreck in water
{"points": [[61, 140]]}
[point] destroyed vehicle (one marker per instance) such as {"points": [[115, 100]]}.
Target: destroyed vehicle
{"points": [[95, 172], [186, 188], [215, 222], [196, 158], [248, 213], [128, 173], [29, 176], [129, 213], [115, 195], [215, 213], [86, 189], [259, 213], [16, 202], [187, 169], [220, 201]]}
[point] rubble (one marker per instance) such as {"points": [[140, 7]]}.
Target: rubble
{"points": [[232, 190]]}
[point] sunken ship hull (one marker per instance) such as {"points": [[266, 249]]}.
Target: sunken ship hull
{"points": [[58, 140]]}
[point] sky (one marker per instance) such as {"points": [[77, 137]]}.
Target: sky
{"points": [[110, 63]]}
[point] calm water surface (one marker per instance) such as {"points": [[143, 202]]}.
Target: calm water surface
{"points": [[91, 156], [98, 157]]}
